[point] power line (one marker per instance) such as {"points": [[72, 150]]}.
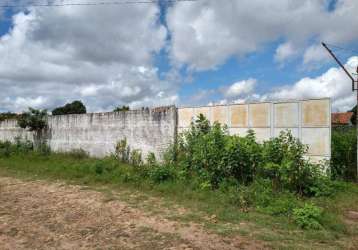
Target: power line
{"points": [[341, 48], [93, 3]]}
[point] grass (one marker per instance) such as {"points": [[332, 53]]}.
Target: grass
{"points": [[214, 209]]}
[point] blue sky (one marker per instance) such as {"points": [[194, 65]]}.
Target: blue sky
{"points": [[183, 53]]}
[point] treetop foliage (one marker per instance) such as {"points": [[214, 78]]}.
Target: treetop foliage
{"points": [[33, 119], [7, 116], [76, 107], [120, 109], [354, 116]]}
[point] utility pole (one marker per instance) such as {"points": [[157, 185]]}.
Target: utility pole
{"points": [[354, 88]]}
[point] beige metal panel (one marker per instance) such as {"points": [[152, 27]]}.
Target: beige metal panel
{"points": [[202, 110], [239, 116], [185, 116], [238, 131], [318, 140], [219, 114], [262, 134], [316, 113], [259, 115], [286, 115], [294, 131]]}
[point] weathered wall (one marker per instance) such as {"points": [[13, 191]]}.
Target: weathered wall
{"points": [[150, 130], [308, 120], [9, 131], [153, 130]]}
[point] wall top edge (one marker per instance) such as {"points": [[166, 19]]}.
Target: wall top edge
{"points": [[153, 110], [134, 111], [258, 102]]}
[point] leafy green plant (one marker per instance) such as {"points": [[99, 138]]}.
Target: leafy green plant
{"points": [[43, 148], [76, 107], [98, 168], [122, 150], [308, 217], [160, 174], [213, 155], [8, 116], [23, 146], [151, 159], [5, 149], [34, 120], [241, 158], [200, 149], [121, 109], [284, 163], [136, 157], [344, 153]]}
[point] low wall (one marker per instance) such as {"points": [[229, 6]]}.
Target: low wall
{"points": [[149, 130], [308, 120]]}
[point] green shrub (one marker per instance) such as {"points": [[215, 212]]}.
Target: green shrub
{"points": [[284, 163], [151, 159], [308, 217], [99, 168], [76, 107], [34, 120], [136, 157], [43, 149], [5, 149], [344, 153], [18, 147], [209, 152], [241, 158], [122, 150], [23, 146], [160, 174], [200, 149], [8, 116]]}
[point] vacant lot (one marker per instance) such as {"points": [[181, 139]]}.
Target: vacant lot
{"points": [[71, 201], [40, 215]]}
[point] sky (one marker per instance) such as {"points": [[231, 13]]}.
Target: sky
{"points": [[183, 53]]}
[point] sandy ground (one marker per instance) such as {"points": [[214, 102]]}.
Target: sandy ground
{"points": [[42, 215]]}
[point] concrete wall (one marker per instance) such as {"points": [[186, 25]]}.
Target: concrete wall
{"points": [[153, 130], [150, 130], [308, 120]]}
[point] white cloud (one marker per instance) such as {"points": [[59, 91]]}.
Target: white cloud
{"points": [[284, 52], [315, 54], [207, 33], [240, 88], [102, 55], [334, 84]]}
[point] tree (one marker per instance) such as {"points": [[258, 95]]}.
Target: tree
{"points": [[7, 116], [76, 107], [33, 120], [354, 116], [120, 109]]}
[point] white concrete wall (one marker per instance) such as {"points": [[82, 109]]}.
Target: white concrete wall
{"points": [[308, 120], [150, 130], [153, 130]]}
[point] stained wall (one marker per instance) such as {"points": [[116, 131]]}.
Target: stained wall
{"points": [[148, 130], [308, 120]]}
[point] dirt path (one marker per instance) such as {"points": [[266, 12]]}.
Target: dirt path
{"points": [[39, 215]]}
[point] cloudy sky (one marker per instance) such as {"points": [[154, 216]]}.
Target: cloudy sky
{"points": [[184, 53]]}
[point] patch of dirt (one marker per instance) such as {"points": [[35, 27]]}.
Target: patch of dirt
{"points": [[39, 215]]}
